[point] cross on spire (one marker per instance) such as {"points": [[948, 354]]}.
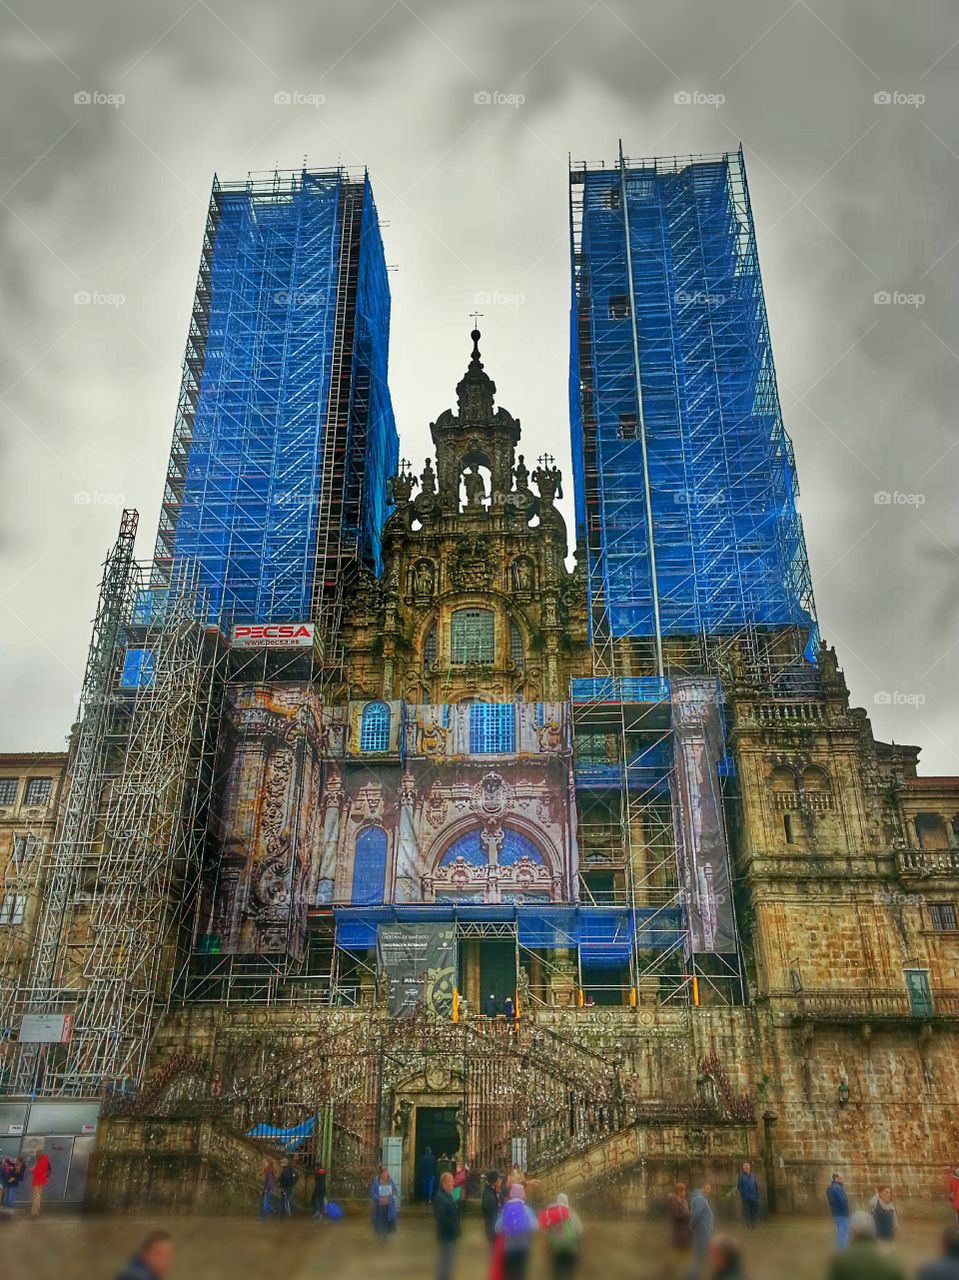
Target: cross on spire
{"points": [[546, 460]]}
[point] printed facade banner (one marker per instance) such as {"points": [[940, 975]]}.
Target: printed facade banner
{"points": [[700, 834], [418, 964]]}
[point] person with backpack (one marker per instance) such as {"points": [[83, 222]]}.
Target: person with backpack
{"points": [[517, 1224], [287, 1181], [562, 1229]]}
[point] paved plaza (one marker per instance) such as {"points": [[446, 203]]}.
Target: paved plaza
{"points": [[89, 1248]]}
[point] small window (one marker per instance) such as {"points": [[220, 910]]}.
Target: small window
{"points": [[471, 636], [515, 644], [8, 790], [943, 916], [12, 908], [137, 670], [429, 649], [375, 727], [38, 790], [23, 848], [618, 306], [492, 728], [627, 426], [788, 827]]}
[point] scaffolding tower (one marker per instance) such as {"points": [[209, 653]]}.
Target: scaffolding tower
{"points": [[284, 435], [684, 476], [122, 870]]}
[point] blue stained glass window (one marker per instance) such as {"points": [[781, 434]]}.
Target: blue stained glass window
{"points": [[514, 847], [369, 867], [492, 728], [375, 727]]}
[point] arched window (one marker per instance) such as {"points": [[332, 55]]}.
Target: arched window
{"points": [[429, 648], [375, 727], [369, 867], [515, 644], [471, 636]]}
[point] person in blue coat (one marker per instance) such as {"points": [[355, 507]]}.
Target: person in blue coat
{"points": [[748, 1189], [384, 1196], [702, 1223], [838, 1203]]}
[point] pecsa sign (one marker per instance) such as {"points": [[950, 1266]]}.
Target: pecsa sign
{"points": [[273, 635]]}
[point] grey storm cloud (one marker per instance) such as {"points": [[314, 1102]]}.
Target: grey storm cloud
{"points": [[118, 115]]}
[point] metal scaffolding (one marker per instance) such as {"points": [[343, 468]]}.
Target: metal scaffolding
{"points": [[122, 872], [284, 434]]}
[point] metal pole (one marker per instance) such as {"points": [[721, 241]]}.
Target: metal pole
{"points": [[640, 415]]}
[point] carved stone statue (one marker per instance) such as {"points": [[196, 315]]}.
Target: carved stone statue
{"points": [[521, 475], [428, 479], [549, 479], [423, 578], [401, 485], [522, 575], [475, 487]]}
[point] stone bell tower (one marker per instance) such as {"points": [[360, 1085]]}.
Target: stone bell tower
{"points": [[477, 436]]}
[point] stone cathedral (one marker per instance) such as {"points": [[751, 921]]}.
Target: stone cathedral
{"points": [[477, 891]]}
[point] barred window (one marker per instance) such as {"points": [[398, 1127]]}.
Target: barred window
{"points": [[8, 790], [375, 727], [492, 728], [943, 916], [515, 644], [471, 636], [38, 790], [12, 908], [429, 649]]}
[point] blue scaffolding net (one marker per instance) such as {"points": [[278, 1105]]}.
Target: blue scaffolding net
{"points": [[284, 434], [727, 541]]}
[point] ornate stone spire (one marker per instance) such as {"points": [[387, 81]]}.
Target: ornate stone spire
{"points": [[475, 390]]}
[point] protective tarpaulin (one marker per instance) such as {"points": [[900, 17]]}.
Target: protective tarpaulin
{"points": [[418, 961], [701, 849]]}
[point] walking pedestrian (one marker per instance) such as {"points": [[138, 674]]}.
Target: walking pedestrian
{"points": [[268, 1189], [448, 1227], [946, 1266], [725, 1259], [702, 1222], [863, 1259], [39, 1177], [517, 1224], [152, 1260], [954, 1191], [748, 1189], [460, 1175], [384, 1196], [6, 1185], [563, 1229], [885, 1215], [427, 1172], [838, 1203], [677, 1207], [490, 1203], [319, 1190], [289, 1177]]}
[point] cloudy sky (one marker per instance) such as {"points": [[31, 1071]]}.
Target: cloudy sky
{"points": [[847, 112]]}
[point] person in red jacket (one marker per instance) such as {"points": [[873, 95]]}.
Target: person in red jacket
{"points": [[39, 1177]]}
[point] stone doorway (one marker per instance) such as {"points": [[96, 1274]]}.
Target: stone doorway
{"points": [[436, 1131]]}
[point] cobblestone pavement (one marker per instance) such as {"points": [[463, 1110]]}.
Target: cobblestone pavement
{"points": [[209, 1248]]}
